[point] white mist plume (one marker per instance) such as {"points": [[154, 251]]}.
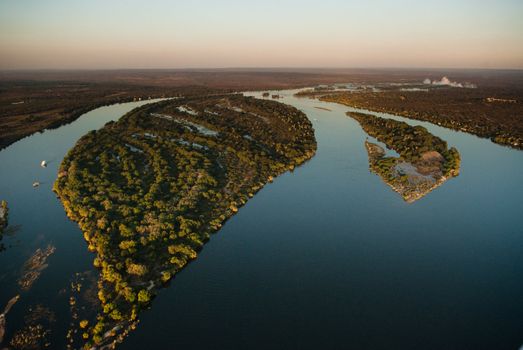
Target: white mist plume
{"points": [[447, 82]]}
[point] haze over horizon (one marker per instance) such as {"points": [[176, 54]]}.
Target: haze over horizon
{"points": [[98, 34]]}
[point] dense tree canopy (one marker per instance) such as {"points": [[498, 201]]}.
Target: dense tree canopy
{"points": [[148, 190]]}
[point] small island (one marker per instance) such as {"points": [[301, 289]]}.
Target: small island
{"points": [[148, 190], [4, 212], [424, 163], [483, 111]]}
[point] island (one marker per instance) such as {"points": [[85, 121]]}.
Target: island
{"points": [[38, 100], [489, 112], [424, 163], [148, 190], [4, 212]]}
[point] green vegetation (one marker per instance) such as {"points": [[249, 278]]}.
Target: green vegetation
{"points": [[34, 267], [425, 160], [474, 111], [148, 190], [4, 213], [36, 333]]}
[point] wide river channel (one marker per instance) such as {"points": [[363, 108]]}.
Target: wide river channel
{"points": [[325, 257]]}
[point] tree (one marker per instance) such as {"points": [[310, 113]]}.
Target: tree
{"points": [[144, 296]]}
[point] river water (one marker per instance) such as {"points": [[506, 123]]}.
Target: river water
{"points": [[327, 256]]}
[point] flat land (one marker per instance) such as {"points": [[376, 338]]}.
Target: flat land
{"points": [[31, 101]]}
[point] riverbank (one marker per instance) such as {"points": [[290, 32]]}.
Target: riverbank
{"points": [[33, 101], [50, 105]]}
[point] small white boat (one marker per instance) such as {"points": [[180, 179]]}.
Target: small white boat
{"points": [[43, 164], [36, 184]]}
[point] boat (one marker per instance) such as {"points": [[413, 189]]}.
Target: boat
{"points": [[36, 184], [43, 164]]}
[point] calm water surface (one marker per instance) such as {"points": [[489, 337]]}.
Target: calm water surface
{"points": [[325, 257], [39, 219]]}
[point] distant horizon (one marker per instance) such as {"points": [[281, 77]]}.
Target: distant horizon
{"points": [[260, 69], [206, 34]]}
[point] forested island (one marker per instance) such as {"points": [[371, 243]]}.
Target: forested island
{"points": [[34, 101], [4, 212], [489, 112], [147, 191], [424, 163]]}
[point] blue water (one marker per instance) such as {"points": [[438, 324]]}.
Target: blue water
{"points": [[39, 219], [325, 257]]}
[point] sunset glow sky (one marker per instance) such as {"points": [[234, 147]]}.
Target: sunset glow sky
{"points": [[286, 33]]}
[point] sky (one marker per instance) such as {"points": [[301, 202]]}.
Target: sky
{"points": [[109, 34]]}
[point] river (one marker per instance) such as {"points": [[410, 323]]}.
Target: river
{"points": [[327, 256]]}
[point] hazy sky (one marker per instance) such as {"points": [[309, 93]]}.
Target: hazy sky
{"points": [[267, 33]]}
